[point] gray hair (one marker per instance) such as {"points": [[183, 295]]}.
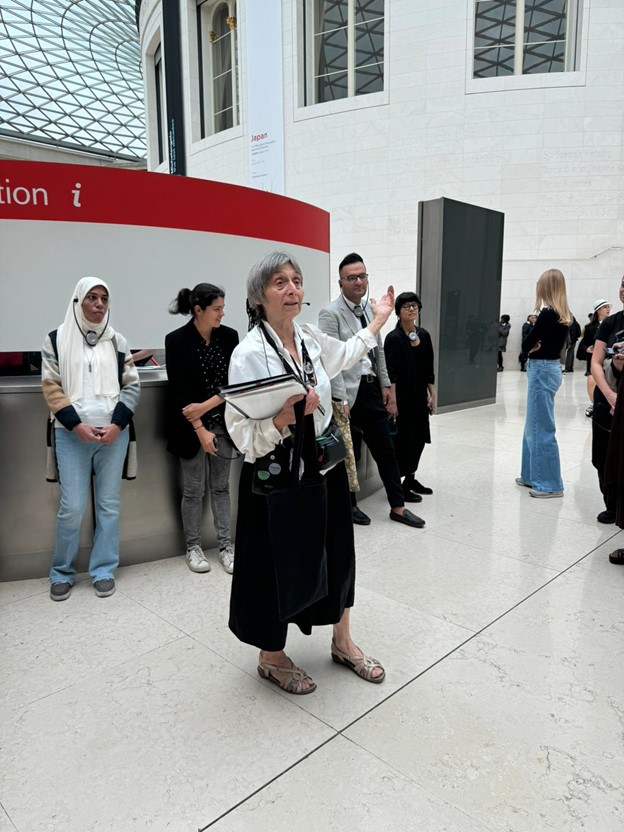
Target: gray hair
{"points": [[259, 276]]}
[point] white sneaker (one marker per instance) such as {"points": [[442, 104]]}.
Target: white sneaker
{"points": [[226, 556], [196, 559]]}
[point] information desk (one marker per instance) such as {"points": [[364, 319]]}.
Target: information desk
{"points": [[150, 515]]}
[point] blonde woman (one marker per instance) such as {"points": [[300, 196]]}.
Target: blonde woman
{"points": [[541, 469]]}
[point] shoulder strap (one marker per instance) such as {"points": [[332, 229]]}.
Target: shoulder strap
{"points": [[53, 338]]}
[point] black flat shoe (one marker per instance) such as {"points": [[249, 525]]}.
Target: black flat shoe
{"points": [[408, 518], [359, 518], [411, 496], [606, 517], [419, 488]]}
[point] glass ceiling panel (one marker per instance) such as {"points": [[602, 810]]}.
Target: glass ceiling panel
{"points": [[70, 73]]}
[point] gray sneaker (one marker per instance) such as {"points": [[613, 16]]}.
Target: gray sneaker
{"points": [[226, 556], [104, 587], [60, 591], [196, 559]]}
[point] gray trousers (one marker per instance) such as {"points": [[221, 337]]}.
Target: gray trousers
{"points": [[195, 472]]}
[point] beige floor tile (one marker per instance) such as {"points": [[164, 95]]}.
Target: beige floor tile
{"points": [[167, 741], [17, 590], [546, 751], [342, 787], [49, 645]]}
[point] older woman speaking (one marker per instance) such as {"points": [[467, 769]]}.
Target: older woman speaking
{"points": [[275, 345]]}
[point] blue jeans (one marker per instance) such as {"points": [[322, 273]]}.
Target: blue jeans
{"points": [[76, 460], [540, 453]]}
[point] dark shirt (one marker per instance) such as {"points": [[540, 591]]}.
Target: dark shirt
{"points": [[195, 371], [550, 332], [609, 328]]}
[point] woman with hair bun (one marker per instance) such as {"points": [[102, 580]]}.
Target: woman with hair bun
{"points": [[409, 359], [197, 359], [541, 468]]}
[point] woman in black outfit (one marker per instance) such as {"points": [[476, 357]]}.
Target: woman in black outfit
{"points": [[409, 359], [586, 347], [197, 358], [609, 333]]}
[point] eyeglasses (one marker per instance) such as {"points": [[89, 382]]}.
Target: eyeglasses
{"points": [[94, 298], [409, 306], [351, 278]]}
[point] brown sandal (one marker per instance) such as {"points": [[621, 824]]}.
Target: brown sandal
{"points": [[617, 557], [362, 666], [293, 677]]}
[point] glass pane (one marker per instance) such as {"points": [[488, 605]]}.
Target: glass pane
{"points": [[495, 22], [544, 57], [489, 63], [330, 14], [544, 20], [369, 79], [369, 43], [222, 92], [221, 55], [331, 87], [332, 52], [219, 25], [223, 120], [368, 9]]}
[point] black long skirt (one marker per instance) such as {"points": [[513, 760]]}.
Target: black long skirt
{"points": [[254, 616]]}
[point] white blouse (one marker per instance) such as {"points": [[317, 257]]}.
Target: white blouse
{"points": [[255, 358]]}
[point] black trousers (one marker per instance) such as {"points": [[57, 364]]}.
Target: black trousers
{"points": [[369, 421], [569, 362], [601, 433]]}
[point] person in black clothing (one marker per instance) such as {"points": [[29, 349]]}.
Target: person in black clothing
{"points": [[606, 371], [574, 333], [409, 359], [527, 326], [503, 334], [541, 468], [197, 359], [586, 347]]}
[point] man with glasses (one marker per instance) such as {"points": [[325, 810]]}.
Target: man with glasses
{"points": [[365, 389]]}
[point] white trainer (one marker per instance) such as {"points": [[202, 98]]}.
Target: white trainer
{"points": [[226, 556], [196, 559]]}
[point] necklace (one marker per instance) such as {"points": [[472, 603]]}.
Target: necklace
{"points": [[88, 357]]}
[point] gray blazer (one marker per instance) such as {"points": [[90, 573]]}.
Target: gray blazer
{"points": [[337, 319]]}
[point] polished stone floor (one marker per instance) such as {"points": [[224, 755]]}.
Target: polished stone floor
{"points": [[501, 626]]}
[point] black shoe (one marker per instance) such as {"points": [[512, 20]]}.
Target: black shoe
{"points": [[359, 518], [60, 591], [419, 488], [500, 369], [408, 518], [606, 516], [411, 496], [104, 587]]}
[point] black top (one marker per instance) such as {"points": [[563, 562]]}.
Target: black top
{"points": [[609, 328], [550, 332], [195, 371]]}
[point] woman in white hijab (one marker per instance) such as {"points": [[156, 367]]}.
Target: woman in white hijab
{"points": [[92, 388]]}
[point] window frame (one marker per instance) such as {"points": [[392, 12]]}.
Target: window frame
{"points": [[204, 21], [308, 88], [571, 41], [161, 103]]}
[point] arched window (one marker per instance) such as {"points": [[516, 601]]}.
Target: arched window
{"points": [[218, 66], [344, 49]]}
